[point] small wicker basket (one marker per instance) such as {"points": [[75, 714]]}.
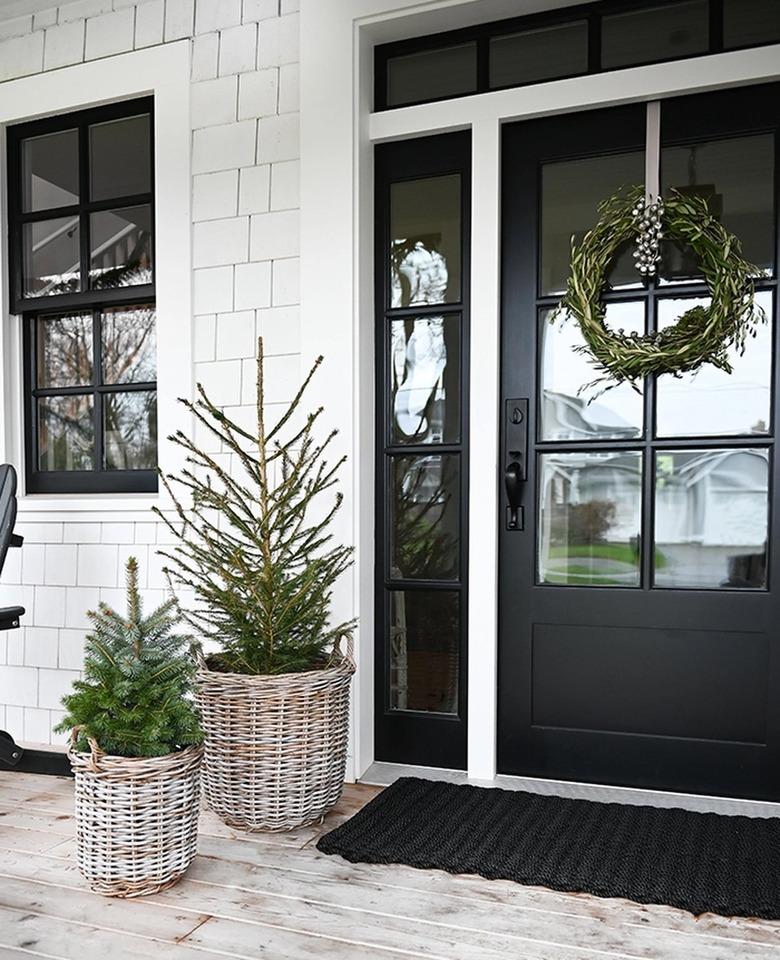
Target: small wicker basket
{"points": [[136, 818], [276, 746]]}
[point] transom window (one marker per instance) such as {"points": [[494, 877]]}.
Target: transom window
{"points": [[568, 42], [81, 199]]}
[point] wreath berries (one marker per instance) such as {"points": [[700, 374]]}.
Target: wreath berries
{"points": [[702, 334]]}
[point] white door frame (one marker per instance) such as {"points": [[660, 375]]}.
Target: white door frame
{"points": [[338, 131]]}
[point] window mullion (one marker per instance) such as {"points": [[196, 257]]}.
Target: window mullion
{"points": [[97, 379], [83, 197]]}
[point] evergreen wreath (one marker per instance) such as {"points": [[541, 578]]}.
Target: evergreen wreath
{"points": [[702, 334]]}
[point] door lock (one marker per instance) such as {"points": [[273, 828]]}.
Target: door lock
{"points": [[516, 459]]}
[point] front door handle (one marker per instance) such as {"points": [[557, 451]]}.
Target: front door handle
{"points": [[513, 480]]}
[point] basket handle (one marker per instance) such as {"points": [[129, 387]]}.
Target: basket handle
{"points": [[95, 752], [350, 654]]}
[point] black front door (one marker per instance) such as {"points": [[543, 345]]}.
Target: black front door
{"points": [[640, 601]]}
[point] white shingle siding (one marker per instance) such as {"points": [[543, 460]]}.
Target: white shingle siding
{"points": [[245, 152]]}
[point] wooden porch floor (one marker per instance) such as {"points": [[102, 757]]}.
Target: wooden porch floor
{"points": [[276, 897]]}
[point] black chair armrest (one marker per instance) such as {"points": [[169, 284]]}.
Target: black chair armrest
{"points": [[10, 616]]}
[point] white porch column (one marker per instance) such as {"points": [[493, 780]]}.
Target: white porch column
{"points": [[484, 398]]}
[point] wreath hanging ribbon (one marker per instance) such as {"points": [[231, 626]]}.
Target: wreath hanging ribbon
{"points": [[702, 334]]}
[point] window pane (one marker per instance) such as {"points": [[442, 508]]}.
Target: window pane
{"points": [[425, 517], [425, 232], [750, 21], [571, 193], [50, 171], [432, 74], [711, 402], [51, 257], [655, 33], [424, 650], [558, 51], [65, 350], [425, 375], [66, 433], [567, 411], [736, 177], [589, 518], [130, 430], [129, 344], [120, 158], [711, 518], [120, 248]]}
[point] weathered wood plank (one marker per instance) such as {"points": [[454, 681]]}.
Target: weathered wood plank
{"points": [[74, 902], [47, 936], [425, 882]]}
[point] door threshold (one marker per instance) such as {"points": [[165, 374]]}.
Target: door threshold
{"points": [[383, 774]]}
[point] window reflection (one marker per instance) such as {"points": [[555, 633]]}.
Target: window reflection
{"points": [[589, 518], [712, 402], [571, 193], [51, 257], [50, 170], [120, 248], [424, 650], [66, 433], [129, 344], [569, 412], [131, 430], [65, 349], [425, 241], [736, 178], [711, 518], [425, 517], [425, 379]]}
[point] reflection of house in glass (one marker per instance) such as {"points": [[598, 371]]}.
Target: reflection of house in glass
{"points": [[711, 518], [567, 417], [710, 511]]}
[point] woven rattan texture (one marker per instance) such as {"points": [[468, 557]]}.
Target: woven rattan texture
{"points": [[700, 862], [276, 746], [136, 819]]}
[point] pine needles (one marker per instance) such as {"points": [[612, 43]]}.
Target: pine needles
{"points": [[134, 697], [261, 569]]}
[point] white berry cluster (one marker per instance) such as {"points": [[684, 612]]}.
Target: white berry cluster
{"points": [[648, 244]]}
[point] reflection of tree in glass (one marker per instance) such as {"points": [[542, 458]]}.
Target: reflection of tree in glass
{"points": [[65, 350], [131, 430], [583, 523], [66, 433], [423, 498], [129, 345]]}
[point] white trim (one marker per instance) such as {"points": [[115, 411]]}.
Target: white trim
{"points": [[163, 71], [654, 82], [386, 773], [337, 130]]}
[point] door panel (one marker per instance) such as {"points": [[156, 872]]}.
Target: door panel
{"points": [[638, 643]]}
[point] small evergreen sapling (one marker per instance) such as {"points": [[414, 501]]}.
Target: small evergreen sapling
{"points": [[133, 699], [261, 568]]}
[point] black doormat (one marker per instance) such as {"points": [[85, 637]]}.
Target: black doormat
{"points": [[700, 862]]}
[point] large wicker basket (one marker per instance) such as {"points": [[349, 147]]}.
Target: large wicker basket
{"points": [[136, 819], [276, 746]]}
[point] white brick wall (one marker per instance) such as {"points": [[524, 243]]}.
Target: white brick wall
{"points": [[245, 169]]}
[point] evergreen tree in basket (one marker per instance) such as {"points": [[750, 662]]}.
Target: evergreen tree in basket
{"points": [[261, 566], [133, 700]]}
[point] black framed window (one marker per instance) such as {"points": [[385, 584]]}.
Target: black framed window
{"points": [[568, 42], [81, 265], [422, 217]]}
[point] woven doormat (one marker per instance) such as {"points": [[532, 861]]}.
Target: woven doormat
{"points": [[700, 862]]}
